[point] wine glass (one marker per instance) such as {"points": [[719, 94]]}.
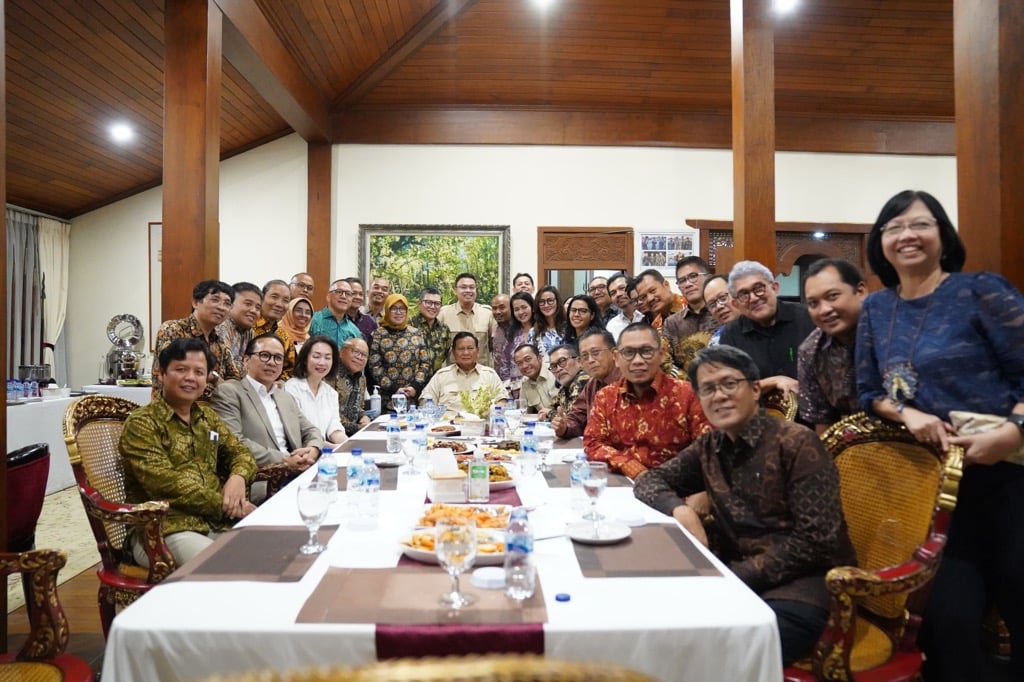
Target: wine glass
{"points": [[593, 486], [313, 501], [410, 448], [456, 548], [545, 443], [399, 401]]}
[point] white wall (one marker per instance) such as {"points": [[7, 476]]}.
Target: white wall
{"points": [[263, 207]]}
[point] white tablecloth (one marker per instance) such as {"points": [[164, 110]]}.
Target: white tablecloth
{"points": [[687, 628], [42, 422], [137, 394]]}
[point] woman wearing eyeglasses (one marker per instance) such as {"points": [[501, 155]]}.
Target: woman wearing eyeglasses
{"points": [[317, 362], [583, 315], [399, 361], [549, 320], [297, 321], [934, 341]]}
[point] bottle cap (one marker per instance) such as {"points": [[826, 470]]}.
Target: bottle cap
{"points": [[357, 451], [562, 596], [489, 578]]}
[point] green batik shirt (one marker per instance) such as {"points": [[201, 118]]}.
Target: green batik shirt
{"points": [[436, 338], [184, 464]]}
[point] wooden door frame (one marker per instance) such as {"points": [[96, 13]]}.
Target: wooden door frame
{"points": [[583, 248]]}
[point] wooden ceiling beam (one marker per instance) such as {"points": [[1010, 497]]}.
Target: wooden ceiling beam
{"points": [[706, 130], [252, 47], [425, 29]]}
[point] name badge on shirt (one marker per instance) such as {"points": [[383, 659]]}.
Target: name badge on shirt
{"points": [[214, 436]]}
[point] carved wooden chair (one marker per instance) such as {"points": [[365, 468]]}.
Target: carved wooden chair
{"points": [[779, 403], [897, 495], [487, 668], [92, 430], [42, 655]]}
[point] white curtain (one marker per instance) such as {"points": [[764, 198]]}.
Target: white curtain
{"points": [[54, 263], [24, 291]]}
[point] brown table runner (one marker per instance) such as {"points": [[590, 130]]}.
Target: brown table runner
{"points": [[654, 551], [558, 477], [368, 445], [260, 553], [570, 444]]}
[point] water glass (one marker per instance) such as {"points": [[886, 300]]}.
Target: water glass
{"points": [[313, 500], [545, 443], [593, 486], [456, 549], [399, 402]]}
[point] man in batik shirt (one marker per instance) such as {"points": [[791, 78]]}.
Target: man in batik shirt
{"points": [[688, 330], [597, 356], [834, 291], [276, 297], [176, 450], [571, 378], [211, 303], [350, 383], [435, 333], [774, 495], [363, 322], [646, 417], [236, 331]]}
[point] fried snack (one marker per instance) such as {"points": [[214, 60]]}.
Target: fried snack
{"points": [[444, 428], [485, 517], [486, 543], [498, 472], [504, 447], [455, 445]]}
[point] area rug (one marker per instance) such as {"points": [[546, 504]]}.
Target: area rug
{"points": [[62, 525]]}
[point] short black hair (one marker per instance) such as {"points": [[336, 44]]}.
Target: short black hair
{"points": [[728, 356], [609, 340], [212, 286], [693, 260], [641, 327], [712, 278], [433, 291], [274, 282], [523, 274], [651, 272], [620, 274], [953, 252], [848, 272], [250, 348], [463, 334], [180, 347], [354, 280], [302, 370], [532, 347], [465, 275], [240, 287], [567, 347]]}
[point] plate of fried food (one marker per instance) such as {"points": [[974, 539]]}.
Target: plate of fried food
{"points": [[444, 431], [490, 547], [504, 448], [457, 446], [501, 478], [485, 515]]}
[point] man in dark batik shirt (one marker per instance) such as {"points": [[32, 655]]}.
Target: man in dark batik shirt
{"points": [[350, 383], [774, 495], [834, 290], [571, 377]]}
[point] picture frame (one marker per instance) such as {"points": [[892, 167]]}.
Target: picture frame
{"points": [[412, 257], [663, 249]]}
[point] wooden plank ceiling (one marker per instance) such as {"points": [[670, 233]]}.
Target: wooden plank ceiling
{"points": [[73, 68]]}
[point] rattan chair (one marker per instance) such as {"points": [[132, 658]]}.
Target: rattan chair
{"points": [[897, 495], [41, 657], [779, 403], [92, 430], [489, 668]]}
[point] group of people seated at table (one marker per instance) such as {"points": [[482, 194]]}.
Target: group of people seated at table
{"points": [[662, 386]]}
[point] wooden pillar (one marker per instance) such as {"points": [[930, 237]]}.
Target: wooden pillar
{"points": [[753, 131], [192, 76], [988, 48], [3, 248], [319, 250]]}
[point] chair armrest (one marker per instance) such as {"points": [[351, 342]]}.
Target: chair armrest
{"points": [[276, 476], [48, 626], [148, 520], [905, 577]]}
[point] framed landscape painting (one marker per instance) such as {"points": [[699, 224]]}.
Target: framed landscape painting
{"points": [[412, 257]]}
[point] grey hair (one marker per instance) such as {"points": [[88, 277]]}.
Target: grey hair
{"points": [[746, 268]]}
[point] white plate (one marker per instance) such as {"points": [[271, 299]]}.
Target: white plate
{"points": [[503, 485], [388, 459], [568, 459], [608, 533], [491, 509], [427, 557]]}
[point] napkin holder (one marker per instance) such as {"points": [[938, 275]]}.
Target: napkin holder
{"points": [[445, 481]]}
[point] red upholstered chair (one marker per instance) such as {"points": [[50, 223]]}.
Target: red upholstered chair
{"points": [[42, 656], [27, 469], [897, 494], [92, 430]]}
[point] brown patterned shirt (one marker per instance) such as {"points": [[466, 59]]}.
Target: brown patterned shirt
{"points": [[437, 339], [828, 379], [351, 390], [774, 494], [567, 394], [684, 324], [398, 358], [633, 434], [188, 327], [265, 326]]}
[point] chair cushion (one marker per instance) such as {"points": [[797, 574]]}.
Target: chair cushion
{"points": [[871, 646], [27, 470], [64, 668]]}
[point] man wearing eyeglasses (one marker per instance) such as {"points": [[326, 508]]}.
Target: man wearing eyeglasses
{"points": [[646, 417], [302, 284], [622, 290], [350, 383], [264, 417], [768, 330], [468, 315], [680, 327], [363, 322], [773, 491], [597, 357], [598, 291], [570, 375], [720, 304], [436, 334], [538, 384], [276, 297], [332, 320]]}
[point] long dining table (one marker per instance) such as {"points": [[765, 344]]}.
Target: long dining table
{"points": [[657, 602]]}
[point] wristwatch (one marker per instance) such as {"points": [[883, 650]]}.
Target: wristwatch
{"points": [[1017, 419]]}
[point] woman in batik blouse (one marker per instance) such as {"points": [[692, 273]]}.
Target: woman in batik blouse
{"points": [[549, 320], [399, 361]]}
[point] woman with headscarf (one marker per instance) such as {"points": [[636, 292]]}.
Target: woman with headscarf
{"points": [[399, 361], [298, 319]]}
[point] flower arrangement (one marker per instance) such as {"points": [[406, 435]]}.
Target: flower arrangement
{"points": [[479, 400]]}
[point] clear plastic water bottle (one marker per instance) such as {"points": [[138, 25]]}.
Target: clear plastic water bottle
{"points": [[32, 389], [394, 443], [579, 471], [327, 470], [497, 426], [427, 410], [528, 453], [352, 473], [520, 572], [368, 494], [374, 404], [479, 478]]}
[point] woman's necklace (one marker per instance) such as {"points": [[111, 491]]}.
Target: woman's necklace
{"points": [[900, 379]]}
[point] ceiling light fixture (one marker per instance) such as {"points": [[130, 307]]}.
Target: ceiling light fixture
{"points": [[819, 235], [543, 5], [785, 6], [121, 133]]}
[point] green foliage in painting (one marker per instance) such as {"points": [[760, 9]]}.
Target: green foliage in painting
{"points": [[414, 261]]}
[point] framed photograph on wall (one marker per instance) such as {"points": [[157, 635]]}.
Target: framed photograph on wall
{"points": [[412, 257], [662, 250]]}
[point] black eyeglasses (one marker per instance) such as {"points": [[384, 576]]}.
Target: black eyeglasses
{"points": [[431, 304], [728, 387], [592, 354], [269, 358], [722, 300], [579, 311], [691, 278], [645, 352], [756, 291], [558, 364]]}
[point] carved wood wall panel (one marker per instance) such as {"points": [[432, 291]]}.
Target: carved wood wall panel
{"points": [[584, 248]]}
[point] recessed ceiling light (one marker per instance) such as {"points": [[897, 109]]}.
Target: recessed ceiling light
{"points": [[819, 235], [121, 133], [785, 6], [543, 4]]}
